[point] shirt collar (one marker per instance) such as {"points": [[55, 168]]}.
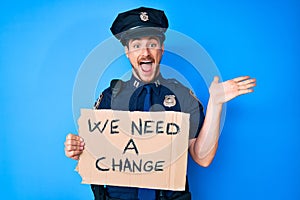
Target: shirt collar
{"points": [[155, 84]]}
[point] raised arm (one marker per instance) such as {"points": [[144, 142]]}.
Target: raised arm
{"points": [[203, 148]]}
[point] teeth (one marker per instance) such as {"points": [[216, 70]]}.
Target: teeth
{"points": [[148, 62]]}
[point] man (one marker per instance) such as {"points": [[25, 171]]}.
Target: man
{"points": [[142, 33]]}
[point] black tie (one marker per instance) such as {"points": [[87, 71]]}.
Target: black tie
{"points": [[147, 101], [144, 193]]}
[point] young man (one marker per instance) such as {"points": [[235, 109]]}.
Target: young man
{"points": [[142, 32]]}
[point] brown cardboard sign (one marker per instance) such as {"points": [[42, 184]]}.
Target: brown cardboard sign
{"points": [[134, 149]]}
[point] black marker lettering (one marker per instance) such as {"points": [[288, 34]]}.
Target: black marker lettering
{"points": [[98, 167], [134, 126], [159, 165], [96, 126], [134, 147], [113, 127], [127, 165], [147, 126], [158, 127], [135, 166], [148, 168], [116, 165], [169, 128]]}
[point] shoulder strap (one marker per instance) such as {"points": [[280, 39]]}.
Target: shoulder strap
{"points": [[111, 92], [116, 86]]}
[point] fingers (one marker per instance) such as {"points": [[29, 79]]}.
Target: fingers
{"points": [[241, 78], [246, 86], [246, 91], [71, 136], [74, 142], [74, 146], [247, 81], [73, 154], [75, 157]]}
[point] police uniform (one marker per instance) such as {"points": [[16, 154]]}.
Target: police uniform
{"points": [[166, 94]]}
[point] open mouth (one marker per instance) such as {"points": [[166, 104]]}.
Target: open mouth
{"points": [[146, 66]]}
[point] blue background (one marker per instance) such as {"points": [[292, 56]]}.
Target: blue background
{"points": [[43, 43]]}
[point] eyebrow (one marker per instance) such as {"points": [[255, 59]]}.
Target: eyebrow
{"points": [[150, 38]]}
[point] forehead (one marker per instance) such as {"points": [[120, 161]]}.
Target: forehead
{"points": [[144, 39]]}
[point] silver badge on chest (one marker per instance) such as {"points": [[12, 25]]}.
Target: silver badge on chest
{"points": [[144, 16], [169, 101]]}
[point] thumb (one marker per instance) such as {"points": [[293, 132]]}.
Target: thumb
{"points": [[216, 79]]}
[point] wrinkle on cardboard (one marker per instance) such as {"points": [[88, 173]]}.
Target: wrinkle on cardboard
{"points": [[134, 149]]}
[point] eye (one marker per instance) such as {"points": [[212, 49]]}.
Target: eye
{"points": [[152, 45], [136, 46]]}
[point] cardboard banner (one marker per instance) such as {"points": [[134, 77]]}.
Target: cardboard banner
{"points": [[134, 149]]}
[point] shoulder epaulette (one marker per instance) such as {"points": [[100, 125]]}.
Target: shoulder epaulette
{"points": [[173, 80]]}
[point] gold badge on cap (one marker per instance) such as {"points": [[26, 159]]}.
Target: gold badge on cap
{"points": [[144, 16], [169, 101]]}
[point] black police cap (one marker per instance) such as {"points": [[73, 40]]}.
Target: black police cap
{"points": [[140, 22]]}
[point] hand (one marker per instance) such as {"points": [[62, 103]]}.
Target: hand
{"points": [[225, 91], [74, 146]]}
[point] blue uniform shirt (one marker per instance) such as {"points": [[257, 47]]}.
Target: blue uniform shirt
{"points": [[167, 95]]}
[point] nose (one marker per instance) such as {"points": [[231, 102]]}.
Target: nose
{"points": [[145, 51]]}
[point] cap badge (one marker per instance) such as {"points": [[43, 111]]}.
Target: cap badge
{"points": [[169, 101], [144, 16]]}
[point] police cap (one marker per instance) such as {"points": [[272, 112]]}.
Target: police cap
{"points": [[140, 22]]}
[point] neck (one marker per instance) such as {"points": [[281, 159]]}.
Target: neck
{"points": [[145, 82]]}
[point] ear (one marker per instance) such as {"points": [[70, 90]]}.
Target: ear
{"points": [[162, 48], [126, 50]]}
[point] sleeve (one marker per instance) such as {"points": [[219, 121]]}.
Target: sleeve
{"points": [[104, 100], [189, 103], [194, 107]]}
